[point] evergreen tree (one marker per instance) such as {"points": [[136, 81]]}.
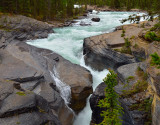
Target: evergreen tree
{"points": [[110, 102]]}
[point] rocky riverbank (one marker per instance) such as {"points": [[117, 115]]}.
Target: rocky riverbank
{"points": [[28, 91], [138, 81]]}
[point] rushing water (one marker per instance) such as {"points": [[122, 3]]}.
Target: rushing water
{"points": [[65, 90], [68, 42]]}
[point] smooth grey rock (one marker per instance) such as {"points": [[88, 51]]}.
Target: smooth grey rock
{"points": [[95, 19], [15, 103]]}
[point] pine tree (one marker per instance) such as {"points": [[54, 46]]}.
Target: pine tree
{"points": [[113, 109]]}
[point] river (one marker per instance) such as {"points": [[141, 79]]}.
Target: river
{"points": [[68, 42]]}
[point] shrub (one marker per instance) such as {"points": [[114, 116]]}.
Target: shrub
{"points": [[127, 42], [110, 102], [151, 36], [155, 61], [126, 50], [123, 31], [133, 37], [136, 46], [122, 35]]}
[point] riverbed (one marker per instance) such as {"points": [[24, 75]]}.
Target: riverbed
{"points": [[68, 42]]}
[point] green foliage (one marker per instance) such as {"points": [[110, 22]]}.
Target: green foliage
{"points": [[151, 36], [110, 102], [133, 37], [51, 9], [41, 9], [155, 61], [122, 35], [127, 42]]}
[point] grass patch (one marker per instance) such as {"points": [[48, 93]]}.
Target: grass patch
{"points": [[145, 106], [142, 74], [127, 47], [130, 78], [140, 86]]}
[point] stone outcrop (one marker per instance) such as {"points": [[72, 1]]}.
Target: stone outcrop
{"points": [[101, 53], [80, 82], [99, 56], [25, 27], [26, 76], [154, 80]]}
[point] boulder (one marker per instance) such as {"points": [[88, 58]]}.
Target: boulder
{"points": [[99, 56], [90, 10], [80, 81], [95, 19]]}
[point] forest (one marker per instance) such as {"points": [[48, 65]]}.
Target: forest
{"points": [[60, 9]]}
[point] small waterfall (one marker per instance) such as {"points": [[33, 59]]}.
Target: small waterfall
{"points": [[65, 90]]}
